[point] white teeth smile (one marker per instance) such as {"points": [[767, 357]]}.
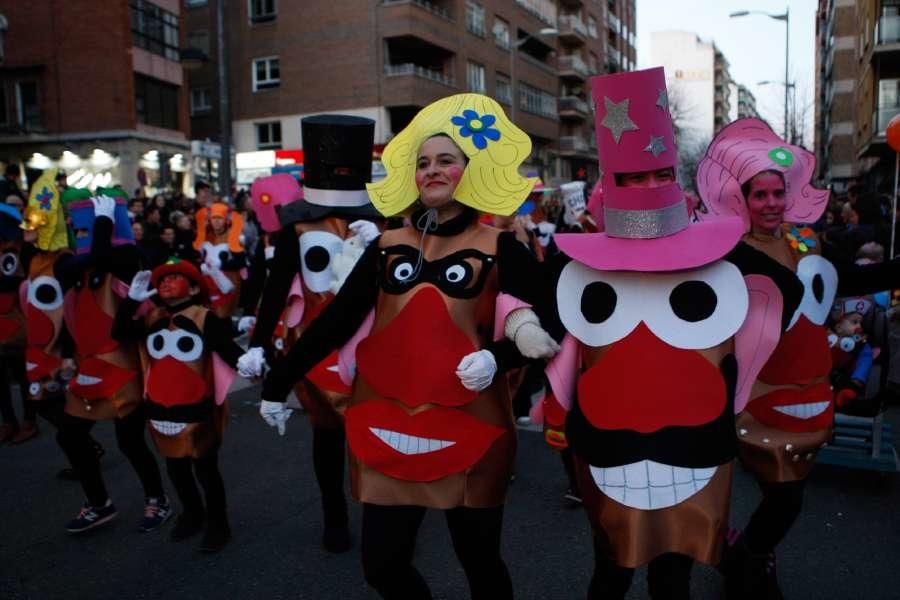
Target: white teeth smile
{"points": [[30, 366], [333, 369], [87, 380], [648, 485], [168, 427], [409, 444], [803, 411]]}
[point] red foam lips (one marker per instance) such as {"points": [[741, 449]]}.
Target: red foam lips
{"points": [[112, 379], [421, 456], [763, 408], [45, 364], [801, 356]]}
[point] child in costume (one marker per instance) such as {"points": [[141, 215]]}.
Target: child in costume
{"points": [[666, 324], [748, 172], [319, 240], [107, 385], [851, 354], [222, 255], [183, 348], [429, 424], [12, 326]]}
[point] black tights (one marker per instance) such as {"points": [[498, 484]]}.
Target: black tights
{"points": [[328, 463], [75, 440], [668, 577], [779, 508], [13, 371], [182, 471], [389, 538]]}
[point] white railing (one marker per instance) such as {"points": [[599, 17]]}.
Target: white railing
{"points": [[418, 71]]}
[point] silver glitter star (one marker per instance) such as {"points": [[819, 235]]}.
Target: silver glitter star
{"points": [[662, 100], [616, 119], [656, 146]]}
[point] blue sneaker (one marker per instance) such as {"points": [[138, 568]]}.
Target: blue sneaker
{"points": [[156, 512], [92, 516]]}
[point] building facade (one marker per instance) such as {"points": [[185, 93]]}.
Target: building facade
{"points": [[741, 102], [386, 59], [107, 105], [699, 84]]}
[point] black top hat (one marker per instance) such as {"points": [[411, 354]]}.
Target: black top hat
{"points": [[337, 165]]}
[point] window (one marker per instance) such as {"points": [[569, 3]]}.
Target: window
{"points": [[475, 77], [592, 26], [28, 104], [266, 74], [194, 3], [475, 18], [262, 11], [156, 102], [4, 113], [501, 33], [201, 101], [503, 91], [154, 29], [537, 101], [268, 135], [199, 39]]}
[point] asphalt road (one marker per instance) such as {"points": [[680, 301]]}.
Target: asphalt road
{"points": [[845, 545]]}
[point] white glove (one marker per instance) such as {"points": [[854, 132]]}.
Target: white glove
{"points": [[367, 230], [269, 251], [222, 282], [139, 289], [476, 370], [104, 206], [210, 257], [245, 324], [524, 328], [252, 363], [275, 414]]}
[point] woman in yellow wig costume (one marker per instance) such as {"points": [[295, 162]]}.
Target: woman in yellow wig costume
{"points": [[429, 423]]}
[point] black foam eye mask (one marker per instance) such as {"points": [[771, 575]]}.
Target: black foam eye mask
{"points": [[454, 274]]}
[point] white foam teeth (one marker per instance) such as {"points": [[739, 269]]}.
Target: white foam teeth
{"points": [[87, 380], [30, 366], [649, 485], [168, 427], [803, 411], [333, 368], [409, 444]]}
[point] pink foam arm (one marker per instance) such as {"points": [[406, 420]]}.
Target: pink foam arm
{"points": [[223, 377], [755, 341], [295, 303], [504, 305], [562, 372], [347, 354]]}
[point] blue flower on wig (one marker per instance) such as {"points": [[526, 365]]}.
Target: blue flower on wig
{"points": [[478, 127]]}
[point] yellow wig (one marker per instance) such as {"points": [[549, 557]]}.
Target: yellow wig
{"points": [[44, 213], [494, 145]]}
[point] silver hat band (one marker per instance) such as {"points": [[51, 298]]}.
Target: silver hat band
{"points": [[646, 224], [336, 198]]}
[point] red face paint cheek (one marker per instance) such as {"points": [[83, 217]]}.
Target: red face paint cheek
{"points": [[420, 177], [455, 173]]}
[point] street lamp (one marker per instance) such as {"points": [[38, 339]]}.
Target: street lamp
{"points": [[786, 17], [513, 48], [793, 88], [224, 106]]}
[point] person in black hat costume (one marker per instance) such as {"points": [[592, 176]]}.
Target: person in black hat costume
{"points": [[320, 239]]}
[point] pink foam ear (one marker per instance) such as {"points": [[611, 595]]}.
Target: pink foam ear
{"points": [[755, 341], [347, 354], [119, 287], [223, 377], [295, 303], [504, 305], [23, 294], [69, 309], [562, 372]]}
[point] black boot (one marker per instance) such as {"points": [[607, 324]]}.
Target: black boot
{"points": [[749, 575], [217, 535], [187, 525]]}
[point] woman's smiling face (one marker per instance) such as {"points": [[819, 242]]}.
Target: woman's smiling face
{"points": [[439, 167]]}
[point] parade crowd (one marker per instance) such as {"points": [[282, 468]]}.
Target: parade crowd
{"points": [[655, 337]]}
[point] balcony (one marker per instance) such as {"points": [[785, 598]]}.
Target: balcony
{"points": [[883, 116], [429, 21], [572, 30], [544, 10], [573, 67], [417, 71], [887, 30], [614, 23], [409, 84], [573, 145], [573, 108], [434, 8]]}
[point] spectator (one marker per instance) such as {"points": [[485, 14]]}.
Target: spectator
{"points": [[184, 237], [152, 224], [9, 183], [204, 195], [136, 210]]}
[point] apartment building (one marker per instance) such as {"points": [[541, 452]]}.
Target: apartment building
{"points": [[386, 59], [107, 104], [741, 102]]}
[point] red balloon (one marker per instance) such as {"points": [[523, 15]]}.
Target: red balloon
{"points": [[893, 133]]}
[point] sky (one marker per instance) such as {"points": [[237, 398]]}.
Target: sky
{"points": [[753, 45]]}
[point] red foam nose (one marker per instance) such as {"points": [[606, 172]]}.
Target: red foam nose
{"points": [[39, 327], [685, 389], [92, 326]]}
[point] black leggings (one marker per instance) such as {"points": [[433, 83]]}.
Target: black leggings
{"points": [[668, 577], [13, 371], [779, 508], [328, 462], [75, 440], [181, 472], [389, 538]]}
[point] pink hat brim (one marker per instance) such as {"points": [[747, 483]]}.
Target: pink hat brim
{"points": [[698, 245]]}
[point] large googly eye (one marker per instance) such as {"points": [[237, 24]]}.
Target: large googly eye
{"points": [[184, 346], [156, 344], [696, 309], [402, 271], [819, 279], [317, 249], [45, 293], [9, 262], [848, 344], [459, 274], [598, 308]]}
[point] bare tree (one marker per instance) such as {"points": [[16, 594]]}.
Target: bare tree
{"points": [[682, 111], [689, 156]]}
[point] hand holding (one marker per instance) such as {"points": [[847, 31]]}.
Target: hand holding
{"points": [[367, 230], [275, 414]]}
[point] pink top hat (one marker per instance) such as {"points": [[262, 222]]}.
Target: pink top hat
{"points": [[268, 193], [646, 229], [745, 148]]}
